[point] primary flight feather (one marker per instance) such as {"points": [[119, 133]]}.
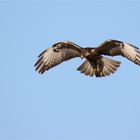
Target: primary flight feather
{"points": [[96, 63]]}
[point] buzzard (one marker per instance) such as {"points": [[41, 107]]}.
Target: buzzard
{"points": [[95, 64]]}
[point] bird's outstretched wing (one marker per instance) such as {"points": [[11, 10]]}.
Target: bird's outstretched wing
{"points": [[56, 54], [115, 47]]}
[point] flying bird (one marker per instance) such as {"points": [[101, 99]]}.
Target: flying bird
{"points": [[95, 64]]}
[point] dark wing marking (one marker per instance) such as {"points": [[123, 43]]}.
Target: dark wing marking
{"points": [[115, 47], [55, 55]]}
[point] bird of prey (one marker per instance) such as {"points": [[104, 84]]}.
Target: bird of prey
{"points": [[95, 64]]}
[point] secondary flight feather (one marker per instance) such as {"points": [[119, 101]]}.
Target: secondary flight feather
{"points": [[96, 63]]}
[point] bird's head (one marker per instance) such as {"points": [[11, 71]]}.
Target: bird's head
{"points": [[86, 52], [93, 51]]}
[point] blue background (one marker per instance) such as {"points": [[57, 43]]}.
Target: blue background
{"points": [[63, 104]]}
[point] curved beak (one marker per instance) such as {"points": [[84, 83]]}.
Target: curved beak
{"points": [[82, 56]]}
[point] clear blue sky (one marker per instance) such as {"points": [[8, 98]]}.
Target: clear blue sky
{"points": [[63, 104]]}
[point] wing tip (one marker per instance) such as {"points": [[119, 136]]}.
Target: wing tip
{"points": [[42, 53], [39, 66]]}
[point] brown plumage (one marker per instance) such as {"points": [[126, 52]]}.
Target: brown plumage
{"points": [[95, 63]]}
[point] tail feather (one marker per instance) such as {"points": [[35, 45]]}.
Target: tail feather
{"points": [[99, 67], [86, 68]]}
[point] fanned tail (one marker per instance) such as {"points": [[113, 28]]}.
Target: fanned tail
{"points": [[99, 67]]}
